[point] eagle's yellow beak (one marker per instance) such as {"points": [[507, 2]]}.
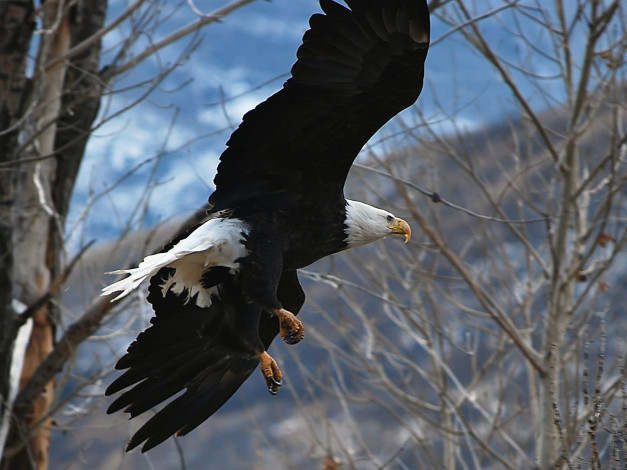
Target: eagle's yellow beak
{"points": [[401, 227]]}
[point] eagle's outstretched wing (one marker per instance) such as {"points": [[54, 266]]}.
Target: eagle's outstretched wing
{"points": [[355, 71], [191, 349]]}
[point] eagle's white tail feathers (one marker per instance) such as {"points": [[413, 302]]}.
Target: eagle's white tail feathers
{"points": [[217, 242], [146, 269], [130, 283]]}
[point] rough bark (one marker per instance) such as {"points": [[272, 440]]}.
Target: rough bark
{"points": [[81, 101], [17, 23], [56, 131], [35, 214]]}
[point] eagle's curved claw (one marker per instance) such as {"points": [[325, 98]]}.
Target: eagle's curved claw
{"points": [[274, 386], [292, 329], [271, 372]]}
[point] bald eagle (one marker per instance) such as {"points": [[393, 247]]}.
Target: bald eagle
{"points": [[224, 290]]}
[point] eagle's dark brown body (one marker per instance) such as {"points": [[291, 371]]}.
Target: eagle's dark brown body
{"points": [[222, 292]]}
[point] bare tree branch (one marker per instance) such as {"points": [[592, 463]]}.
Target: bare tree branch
{"points": [[216, 16]]}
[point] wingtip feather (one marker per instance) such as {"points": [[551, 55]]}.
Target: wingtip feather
{"points": [[128, 284]]}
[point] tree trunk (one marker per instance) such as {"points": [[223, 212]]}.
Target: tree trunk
{"points": [[18, 24], [56, 132], [34, 249]]}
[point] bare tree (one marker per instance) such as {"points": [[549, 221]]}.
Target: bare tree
{"points": [[501, 343]]}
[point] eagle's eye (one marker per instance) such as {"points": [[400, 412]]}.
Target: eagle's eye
{"points": [[390, 219]]}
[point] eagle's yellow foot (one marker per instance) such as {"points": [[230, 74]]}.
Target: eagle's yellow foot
{"points": [[292, 330], [271, 372]]}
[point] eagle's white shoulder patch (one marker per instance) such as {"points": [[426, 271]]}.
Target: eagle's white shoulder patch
{"points": [[217, 242]]}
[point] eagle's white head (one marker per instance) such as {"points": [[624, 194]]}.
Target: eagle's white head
{"points": [[366, 224]]}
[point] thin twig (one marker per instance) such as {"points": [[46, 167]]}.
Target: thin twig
{"points": [[87, 43], [214, 17], [54, 288], [435, 197]]}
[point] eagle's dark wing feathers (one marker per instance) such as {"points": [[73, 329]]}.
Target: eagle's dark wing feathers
{"points": [[188, 348], [355, 71]]}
